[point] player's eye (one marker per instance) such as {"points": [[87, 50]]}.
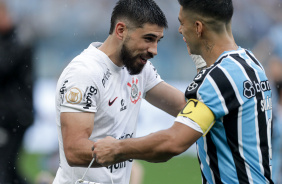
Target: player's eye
{"points": [[149, 39]]}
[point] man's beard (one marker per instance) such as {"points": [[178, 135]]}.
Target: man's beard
{"points": [[130, 61]]}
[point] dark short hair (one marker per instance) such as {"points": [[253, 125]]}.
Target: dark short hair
{"points": [[220, 10], [138, 12]]}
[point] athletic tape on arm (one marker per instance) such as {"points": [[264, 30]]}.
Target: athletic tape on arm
{"points": [[199, 113], [198, 60]]}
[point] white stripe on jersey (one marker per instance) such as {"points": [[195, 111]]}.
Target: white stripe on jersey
{"points": [[208, 158], [234, 86], [218, 94]]}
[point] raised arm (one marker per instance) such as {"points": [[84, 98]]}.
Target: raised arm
{"points": [[167, 98], [76, 130]]}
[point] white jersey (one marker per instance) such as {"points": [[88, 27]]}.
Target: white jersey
{"points": [[93, 83]]}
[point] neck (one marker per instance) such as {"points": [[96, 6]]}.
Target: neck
{"points": [[215, 45], [111, 48]]}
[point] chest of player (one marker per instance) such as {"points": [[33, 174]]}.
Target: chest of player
{"points": [[122, 94]]}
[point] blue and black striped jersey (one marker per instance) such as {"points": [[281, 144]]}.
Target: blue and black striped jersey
{"points": [[237, 149]]}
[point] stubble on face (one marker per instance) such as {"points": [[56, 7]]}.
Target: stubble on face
{"points": [[130, 61]]}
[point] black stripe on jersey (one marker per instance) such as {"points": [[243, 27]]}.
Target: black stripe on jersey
{"points": [[212, 153], [262, 121], [225, 87], [230, 121], [231, 128], [191, 91], [254, 59], [204, 180]]}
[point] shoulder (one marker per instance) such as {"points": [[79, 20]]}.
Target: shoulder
{"points": [[215, 75], [83, 71], [89, 62], [149, 68], [82, 67]]}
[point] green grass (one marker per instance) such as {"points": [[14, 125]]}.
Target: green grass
{"points": [[29, 165], [183, 169]]}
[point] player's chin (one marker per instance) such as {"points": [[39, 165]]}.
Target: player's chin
{"points": [[136, 69], [192, 50], [189, 50]]}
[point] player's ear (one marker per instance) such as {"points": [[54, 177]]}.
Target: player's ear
{"points": [[199, 28], [120, 30]]}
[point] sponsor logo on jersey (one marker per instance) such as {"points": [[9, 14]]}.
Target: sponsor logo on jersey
{"points": [[118, 165], [106, 77], [250, 89], [123, 107], [124, 163], [74, 96], [126, 136], [90, 91], [155, 70], [135, 94], [63, 90], [266, 104], [111, 102]]}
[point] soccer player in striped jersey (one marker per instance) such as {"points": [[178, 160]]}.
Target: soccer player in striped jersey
{"points": [[228, 111]]}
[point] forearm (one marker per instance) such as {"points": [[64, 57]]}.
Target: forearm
{"points": [[156, 147], [79, 153]]}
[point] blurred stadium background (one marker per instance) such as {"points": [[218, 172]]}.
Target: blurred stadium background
{"points": [[61, 29]]}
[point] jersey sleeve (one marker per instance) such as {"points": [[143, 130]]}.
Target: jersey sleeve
{"points": [[78, 90], [152, 78], [196, 115]]}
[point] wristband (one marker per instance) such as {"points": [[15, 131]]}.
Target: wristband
{"points": [[198, 60]]}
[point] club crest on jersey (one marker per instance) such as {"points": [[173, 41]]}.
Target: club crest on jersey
{"points": [[74, 96], [135, 94]]}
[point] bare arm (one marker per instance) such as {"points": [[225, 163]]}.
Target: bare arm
{"points": [[76, 129], [167, 98], [156, 147]]}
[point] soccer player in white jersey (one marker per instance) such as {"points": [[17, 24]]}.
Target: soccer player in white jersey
{"points": [[229, 108], [99, 93]]}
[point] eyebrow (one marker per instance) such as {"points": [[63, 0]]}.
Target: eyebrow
{"points": [[152, 35]]}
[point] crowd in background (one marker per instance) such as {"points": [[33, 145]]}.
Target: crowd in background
{"points": [[60, 29]]}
